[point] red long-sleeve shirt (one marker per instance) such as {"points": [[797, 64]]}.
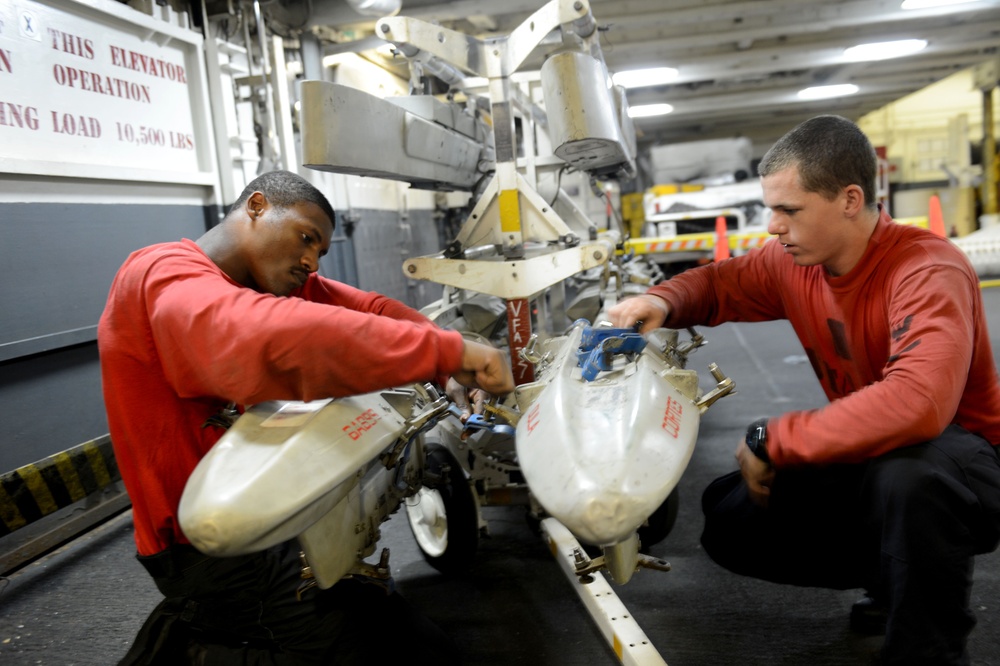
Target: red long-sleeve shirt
{"points": [[179, 340], [899, 344]]}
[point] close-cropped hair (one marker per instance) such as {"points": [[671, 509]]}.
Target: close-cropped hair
{"points": [[830, 153], [284, 189]]}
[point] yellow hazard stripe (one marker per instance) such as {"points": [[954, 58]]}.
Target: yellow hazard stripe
{"points": [[9, 512], [38, 489], [688, 242], [32, 478], [101, 475], [68, 474]]}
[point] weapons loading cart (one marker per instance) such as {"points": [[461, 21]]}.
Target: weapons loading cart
{"points": [[524, 262]]}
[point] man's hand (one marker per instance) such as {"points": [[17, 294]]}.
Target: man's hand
{"points": [[486, 368], [648, 311], [468, 401], [757, 474]]}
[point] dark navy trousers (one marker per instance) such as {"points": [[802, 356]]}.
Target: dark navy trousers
{"points": [[905, 526], [244, 611]]}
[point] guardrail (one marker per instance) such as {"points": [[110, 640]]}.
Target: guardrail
{"points": [[49, 502], [978, 250], [705, 241]]}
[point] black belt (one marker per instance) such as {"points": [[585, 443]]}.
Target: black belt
{"points": [[169, 562]]}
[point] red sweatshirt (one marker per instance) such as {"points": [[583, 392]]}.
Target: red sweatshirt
{"points": [[899, 344], [179, 340]]}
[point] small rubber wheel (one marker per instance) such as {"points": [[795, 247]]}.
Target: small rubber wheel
{"points": [[443, 514]]}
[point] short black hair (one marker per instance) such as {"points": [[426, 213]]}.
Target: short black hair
{"points": [[830, 152], [284, 189]]}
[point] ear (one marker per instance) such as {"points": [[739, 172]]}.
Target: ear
{"points": [[854, 200], [256, 204]]}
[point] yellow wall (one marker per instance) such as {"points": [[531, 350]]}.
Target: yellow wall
{"points": [[930, 128], [915, 130]]}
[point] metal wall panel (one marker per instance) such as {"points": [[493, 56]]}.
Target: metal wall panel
{"points": [[58, 260], [339, 264], [383, 240], [49, 403]]}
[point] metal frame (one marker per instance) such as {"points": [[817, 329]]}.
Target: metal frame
{"points": [[510, 213]]}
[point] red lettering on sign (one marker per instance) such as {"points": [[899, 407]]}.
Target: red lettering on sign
{"points": [[67, 123], [15, 115], [518, 333], [181, 141], [72, 77], [672, 417], [5, 65], [142, 135], [67, 43], [140, 62]]}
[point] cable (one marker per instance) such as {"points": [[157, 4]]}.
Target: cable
{"points": [[618, 216], [559, 175]]}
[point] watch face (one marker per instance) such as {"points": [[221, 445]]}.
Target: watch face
{"points": [[757, 439]]}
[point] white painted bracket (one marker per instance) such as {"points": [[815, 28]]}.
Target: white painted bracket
{"points": [[509, 278], [619, 628]]}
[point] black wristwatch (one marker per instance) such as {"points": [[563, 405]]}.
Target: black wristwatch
{"points": [[757, 439]]}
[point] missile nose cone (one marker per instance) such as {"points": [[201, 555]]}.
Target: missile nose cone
{"points": [[603, 510], [605, 517]]}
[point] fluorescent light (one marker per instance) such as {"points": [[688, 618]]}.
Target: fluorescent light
{"points": [[923, 4], [884, 50], [637, 78], [646, 110], [825, 92]]}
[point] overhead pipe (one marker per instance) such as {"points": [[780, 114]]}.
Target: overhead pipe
{"points": [[349, 12], [376, 8]]}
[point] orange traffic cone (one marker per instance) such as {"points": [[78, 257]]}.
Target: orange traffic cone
{"points": [[721, 239], [934, 216]]}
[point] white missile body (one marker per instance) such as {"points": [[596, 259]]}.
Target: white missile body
{"points": [[323, 472], [601, 456]]}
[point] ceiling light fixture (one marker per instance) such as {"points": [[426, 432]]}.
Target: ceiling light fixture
{"points": [[924, 4], [647, 110], [884, 50], [826, 92], [638, 78]]}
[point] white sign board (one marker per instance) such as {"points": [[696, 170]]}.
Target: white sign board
{"points": [[85, 88]]}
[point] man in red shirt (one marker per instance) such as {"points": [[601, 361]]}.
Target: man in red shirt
{"points": [[894, 485], [240, 316]]}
